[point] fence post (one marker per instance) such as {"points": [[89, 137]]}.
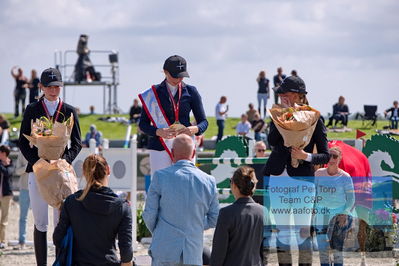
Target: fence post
{"points": [[105, 144], [92, 146], [133, 194]]}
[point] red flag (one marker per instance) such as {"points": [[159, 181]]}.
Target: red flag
{"points": [[359, 134]]}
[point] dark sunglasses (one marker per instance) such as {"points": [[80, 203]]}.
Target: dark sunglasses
{"points": [[335, 156], [261, 150]]}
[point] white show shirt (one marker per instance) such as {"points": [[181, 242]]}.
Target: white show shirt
{"points": [[173, 89], [51, 105]]}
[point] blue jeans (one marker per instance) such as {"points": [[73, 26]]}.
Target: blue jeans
{"points": [[257, 136], [262, 97], [220, 124], [394, 122], [23, 214]]}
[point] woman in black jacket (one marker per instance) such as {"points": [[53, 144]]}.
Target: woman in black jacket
{"points": [[51, 106], [97, 216], [289, 186], [239, 231]]}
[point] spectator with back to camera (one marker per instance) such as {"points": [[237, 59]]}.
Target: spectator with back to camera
{"points": [[239, 231], [97, 217], [181, 203]]}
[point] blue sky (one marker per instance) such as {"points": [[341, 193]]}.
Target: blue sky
{"points": [[340, 47]]}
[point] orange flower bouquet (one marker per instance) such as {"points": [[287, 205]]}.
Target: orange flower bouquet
{"points": [[295, 124]]}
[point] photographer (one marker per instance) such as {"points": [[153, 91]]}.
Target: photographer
{"points": [[84, 69]]}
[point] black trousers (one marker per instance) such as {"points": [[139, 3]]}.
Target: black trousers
{"points": [[19, 97], [275, 98], [220, 124], [338, 117], [33, 94]]}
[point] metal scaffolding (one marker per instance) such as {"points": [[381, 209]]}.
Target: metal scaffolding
{"points": [[65, 62]]}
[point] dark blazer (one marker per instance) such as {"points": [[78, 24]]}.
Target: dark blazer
{"points": [[338, 108], [36, 110], [190, 101], [392, 109], [281, 155], [238, 235], [96, 222], [277, 81], [5, 178]]}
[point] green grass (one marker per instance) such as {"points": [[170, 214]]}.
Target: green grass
{"points": [[109, 130], [118, 131]]}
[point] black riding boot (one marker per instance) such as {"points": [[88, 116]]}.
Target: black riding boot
{"points": [[40, 241]]}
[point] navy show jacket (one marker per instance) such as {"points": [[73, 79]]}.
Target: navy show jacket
{"points": [[190, 101]]}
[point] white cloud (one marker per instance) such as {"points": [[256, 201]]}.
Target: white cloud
{"points": [[339, 46]]}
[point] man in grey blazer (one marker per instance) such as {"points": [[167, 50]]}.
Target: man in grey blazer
{"points": [[181, 204]]}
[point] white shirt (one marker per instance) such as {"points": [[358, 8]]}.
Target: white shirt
{"points": [[243, 127], [335, 191], [51, 105], [220, 108], [173, 89]]}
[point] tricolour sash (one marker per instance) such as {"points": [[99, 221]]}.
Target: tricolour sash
{"points": [[155, 112]]}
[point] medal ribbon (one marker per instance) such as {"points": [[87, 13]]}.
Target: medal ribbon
{"points": [[57, 111], [176, 106]]}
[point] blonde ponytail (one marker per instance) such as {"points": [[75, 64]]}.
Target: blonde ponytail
{"points": [[94, 170]]}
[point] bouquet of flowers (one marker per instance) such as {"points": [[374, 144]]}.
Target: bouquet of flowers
{"points": [[295, 124], [50, 137], [56, 180]]}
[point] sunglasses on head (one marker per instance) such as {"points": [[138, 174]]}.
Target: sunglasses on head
{"points": [[335, 156]]}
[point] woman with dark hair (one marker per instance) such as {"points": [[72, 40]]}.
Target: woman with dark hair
{"points": [[97, 217], [239, 231], [285, 179]]}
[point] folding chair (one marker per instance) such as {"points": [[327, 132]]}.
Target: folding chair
{"points": [[370, 115]]}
